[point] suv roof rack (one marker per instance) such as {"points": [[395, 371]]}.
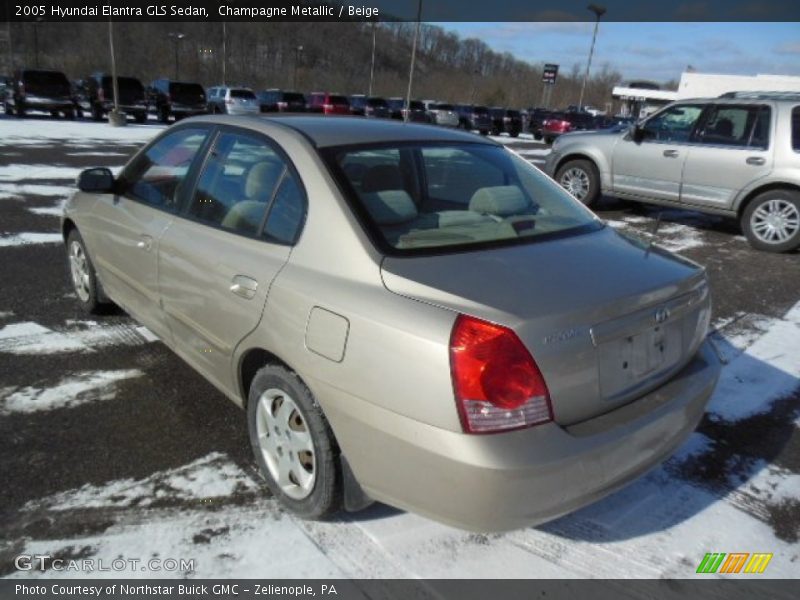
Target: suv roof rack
{"points": [[762, 95]]}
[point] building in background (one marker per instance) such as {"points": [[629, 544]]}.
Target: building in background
{"points": [[641, 98]]}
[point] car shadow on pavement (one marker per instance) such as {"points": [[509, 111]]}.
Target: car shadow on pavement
{"points": [[746, 443]]}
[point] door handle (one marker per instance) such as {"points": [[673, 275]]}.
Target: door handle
{"points": [[671, 153], [145, 243], [755, 160], [244, 286]]}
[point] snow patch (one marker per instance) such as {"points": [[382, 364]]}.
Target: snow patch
{"points": [[78, 389], [50, 211], [80, 336], [28, 238], [18, 190]]}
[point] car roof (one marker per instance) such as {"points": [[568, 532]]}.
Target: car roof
{"points": [[741, 100], [327, 131]]}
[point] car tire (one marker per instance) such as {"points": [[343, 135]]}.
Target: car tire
{"points": [[307, 482], [97, 112], [771, 221], [537, 135], [69, 114], [548, 140], [163, 114], [581, 179], [140, 117], [514, 134], [82, 274], [20, 110]]}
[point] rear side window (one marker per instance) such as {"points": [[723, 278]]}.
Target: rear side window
{"points": [[245, 180], [157, 176], [796, 128], [740, 126]]}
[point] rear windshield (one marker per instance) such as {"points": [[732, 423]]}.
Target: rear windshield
{"points": [[514, 114], [293, 97], [395, 103], [125, 84], [246, 94], [480, 110], [337, 100], [497, 112], [34, 78], [377, 102], [186, 90], [444, 106], [441, 197]]}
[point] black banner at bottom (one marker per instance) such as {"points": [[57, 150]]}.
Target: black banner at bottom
{"points": [[374, 589]]}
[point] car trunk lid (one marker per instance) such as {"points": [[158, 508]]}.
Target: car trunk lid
{"points": [[605, 318]]}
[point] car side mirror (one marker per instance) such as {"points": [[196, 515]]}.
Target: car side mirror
{"points": [[98, 180], [637, 133]]}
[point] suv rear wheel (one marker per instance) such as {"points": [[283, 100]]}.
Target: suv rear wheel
{"points": [[771, 222], [293, 443], [581, 179]]}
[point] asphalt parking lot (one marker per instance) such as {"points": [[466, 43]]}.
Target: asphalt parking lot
{"points": [[110, 445]]}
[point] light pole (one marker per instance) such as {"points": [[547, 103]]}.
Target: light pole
{"points": [[297, 52], [115, 118], [599, 11], [224, 51], [36, 41], [372, 68], [177, 37], [413, 58]]}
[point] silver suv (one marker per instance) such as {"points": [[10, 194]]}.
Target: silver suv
{"points": [[736, 156], [232, 101]]}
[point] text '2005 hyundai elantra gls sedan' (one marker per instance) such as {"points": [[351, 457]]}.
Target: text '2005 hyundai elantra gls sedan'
{"points": [[407, 314]]}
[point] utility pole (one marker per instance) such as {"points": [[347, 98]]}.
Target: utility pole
{"points": [[115, 119], [177, 37], [413, 58], [599, 11], [297, 52], [372, 68]]}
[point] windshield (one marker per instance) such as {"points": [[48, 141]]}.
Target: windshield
{"points": [[422, 196]]}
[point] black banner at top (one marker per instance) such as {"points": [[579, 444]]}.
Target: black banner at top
{"points": [[430, 11]]}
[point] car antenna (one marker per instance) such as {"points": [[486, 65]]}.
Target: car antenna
{"points": [[654, 232]]}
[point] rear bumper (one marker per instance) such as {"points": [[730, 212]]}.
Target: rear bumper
{"points": [[45, 103], [506, 481]]}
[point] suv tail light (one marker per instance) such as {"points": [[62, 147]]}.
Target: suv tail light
{"points": [[497, 384], [282, 105], [327, 107], [101, 94]]}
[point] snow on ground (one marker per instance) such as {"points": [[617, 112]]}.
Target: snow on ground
{"points": [[84, 134], [27, 238], [27, 338], [659, 526], [75, 390], [20, 190], [24, 172]]}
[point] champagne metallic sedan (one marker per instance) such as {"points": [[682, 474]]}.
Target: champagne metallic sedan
{"points": [[408, 314]]}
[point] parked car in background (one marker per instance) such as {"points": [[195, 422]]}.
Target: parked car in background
{"points": [[563, 122], [396, 106], [505, 120], [536, 118], [328, 104], [443, 114], [281, 101], [177, 99], [455, 265], [4, 83], [228, 100], [377, 108], [416, 112], [512, 122], [737, 157], [358, 104], [96, 97], [496, 115], [42, 90], [471, 117]]}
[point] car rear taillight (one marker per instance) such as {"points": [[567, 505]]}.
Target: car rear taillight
{"points": [[497, 384], [327, 107], [101, 94], [282, 105]]}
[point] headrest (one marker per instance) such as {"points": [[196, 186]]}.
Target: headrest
{"points": [[390, 207], [261, 179], [501, 200]]}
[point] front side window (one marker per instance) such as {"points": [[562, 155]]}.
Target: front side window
{"points": [[157, 176], [452, 196], [742, 126], [673, 124], [244, 180]]}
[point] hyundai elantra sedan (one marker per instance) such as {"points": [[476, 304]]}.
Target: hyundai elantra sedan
{"points": [[407, 314]]}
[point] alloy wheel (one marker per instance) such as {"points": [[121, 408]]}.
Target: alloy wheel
{"points": [[775, 221]]}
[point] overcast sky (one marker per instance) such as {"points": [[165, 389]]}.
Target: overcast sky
{"points": [[653, 51]]}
